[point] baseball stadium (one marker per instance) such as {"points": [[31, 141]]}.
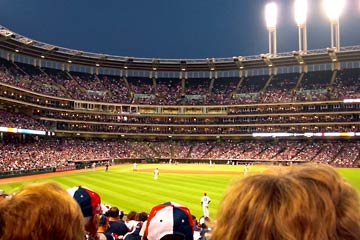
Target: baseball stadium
{"points": [[144, 131]]}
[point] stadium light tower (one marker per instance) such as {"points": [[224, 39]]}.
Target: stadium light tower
{"points": [[333, 9], [271, 20], [300, 8]]}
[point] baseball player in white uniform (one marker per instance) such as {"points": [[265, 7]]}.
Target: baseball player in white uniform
{"points": [[246, 169], [205, 200], [156, 173]]}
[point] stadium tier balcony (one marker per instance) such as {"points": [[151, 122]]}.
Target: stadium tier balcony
{"points": [[280, 88], [18, 120]]}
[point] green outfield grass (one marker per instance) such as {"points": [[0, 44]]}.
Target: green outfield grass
{"points": [[130, 190]]}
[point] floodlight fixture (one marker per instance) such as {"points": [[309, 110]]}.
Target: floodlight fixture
{"points": [[300, 9], [333, 9], [271, 15], [271, 11]]}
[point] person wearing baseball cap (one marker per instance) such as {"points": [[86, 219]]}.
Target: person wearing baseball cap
{"points": [[169, 221], [205, 201], [90, 205]]}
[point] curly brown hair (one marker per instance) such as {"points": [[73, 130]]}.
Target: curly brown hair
{"points": [[301, 203], [41, 211]]}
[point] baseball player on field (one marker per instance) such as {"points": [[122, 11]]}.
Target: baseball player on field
{"points": [[205, 200]]}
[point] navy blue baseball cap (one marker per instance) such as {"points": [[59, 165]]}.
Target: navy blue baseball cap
{"points": [[89, 201], [169, 219]]}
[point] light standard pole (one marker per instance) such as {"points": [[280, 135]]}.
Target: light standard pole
{"points": [[300, 8], [271, 19], [333, 9]]}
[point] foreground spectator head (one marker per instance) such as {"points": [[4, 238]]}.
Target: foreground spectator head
{"points": [[114, 212], [90, 205], [131, 216], [169, 221], [117, 226], [302, 203], [336, 201], [141, 216], [102, 233], [41, 211]]}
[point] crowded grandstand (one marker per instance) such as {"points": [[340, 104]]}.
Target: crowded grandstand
{"points": [[62, 109], [93, 117], [243, 147]]}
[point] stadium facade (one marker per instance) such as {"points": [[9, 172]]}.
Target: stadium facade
{"points": [[296, 96]]}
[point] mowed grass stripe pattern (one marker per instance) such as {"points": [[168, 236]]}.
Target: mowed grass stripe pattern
{"points": [[138, 190], [352, 176], [129, 190]]}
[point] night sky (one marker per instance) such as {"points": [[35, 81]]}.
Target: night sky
{"points": [[171, 28]]}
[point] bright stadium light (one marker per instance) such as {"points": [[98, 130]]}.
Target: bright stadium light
{"points": [[300, 9], [271, 11], [333, 9], [271, 15]]}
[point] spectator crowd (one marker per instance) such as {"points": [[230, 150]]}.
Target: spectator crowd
{"points": [[58, 153], [285, 87]]}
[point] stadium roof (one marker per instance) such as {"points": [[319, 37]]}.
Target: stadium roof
{"points": [[16, 43]]}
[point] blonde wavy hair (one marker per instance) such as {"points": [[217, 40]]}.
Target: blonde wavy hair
{"points": [[41, 211], [301, 203]]}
